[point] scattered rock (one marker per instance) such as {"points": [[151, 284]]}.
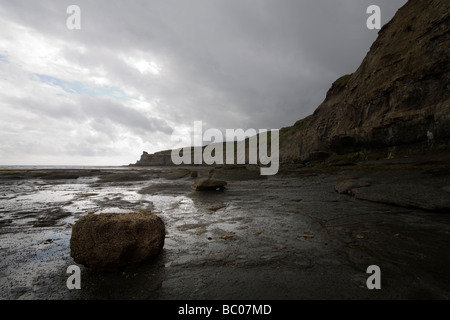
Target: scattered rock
{"points": [[225, 235], [177, 174], [162, 188], [308, 235], [207, 184], [111, 242], [189, 226], [407, 196], [86, 195], [200, 231], [50, 217], [123, 177], [229, 236], [346, 185], [217, 207], [236, 173], [61, 176]]}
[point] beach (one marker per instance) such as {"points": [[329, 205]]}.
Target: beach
{"points": [[288, 236]]}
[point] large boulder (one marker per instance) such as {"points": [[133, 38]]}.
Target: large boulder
{"points": [[208, 184], [112, 242]]}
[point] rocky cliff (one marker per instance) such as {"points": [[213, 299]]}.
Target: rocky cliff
{"points": [[164, 158], [161, 158], [397, 99]]}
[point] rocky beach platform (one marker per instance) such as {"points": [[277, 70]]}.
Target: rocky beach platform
{"points": [[309, 232]]}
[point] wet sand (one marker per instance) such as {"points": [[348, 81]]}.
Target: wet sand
{"points": [[289, 236]]}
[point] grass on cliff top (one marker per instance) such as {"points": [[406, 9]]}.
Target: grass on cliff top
{"points": [[299, 125], [342, 81]]}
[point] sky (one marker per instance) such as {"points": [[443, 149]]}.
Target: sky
{"points": [[137, 74]]}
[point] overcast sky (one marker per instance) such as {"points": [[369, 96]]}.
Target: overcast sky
{"points": [[140, 72]]}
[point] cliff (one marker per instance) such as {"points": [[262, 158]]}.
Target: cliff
{"points": [[161, 158], [397, 99], [164, 158]]}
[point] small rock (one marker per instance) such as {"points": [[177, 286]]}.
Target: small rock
{"points": [[406, 195], [308, 235], [229, 236], [217, 207], [200, 231], [446, 189], [346, 186], [209, 184]]}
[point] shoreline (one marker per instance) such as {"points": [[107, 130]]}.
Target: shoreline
{"points": [[306, 233]]}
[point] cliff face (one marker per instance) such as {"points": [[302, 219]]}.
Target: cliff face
{"points": [[398, 97], [162, 158]]}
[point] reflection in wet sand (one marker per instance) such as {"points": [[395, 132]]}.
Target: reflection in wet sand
{"points": [[288, 236]]}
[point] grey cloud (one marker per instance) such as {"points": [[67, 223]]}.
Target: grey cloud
{"points": [[231, 64], [107, 109]]}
